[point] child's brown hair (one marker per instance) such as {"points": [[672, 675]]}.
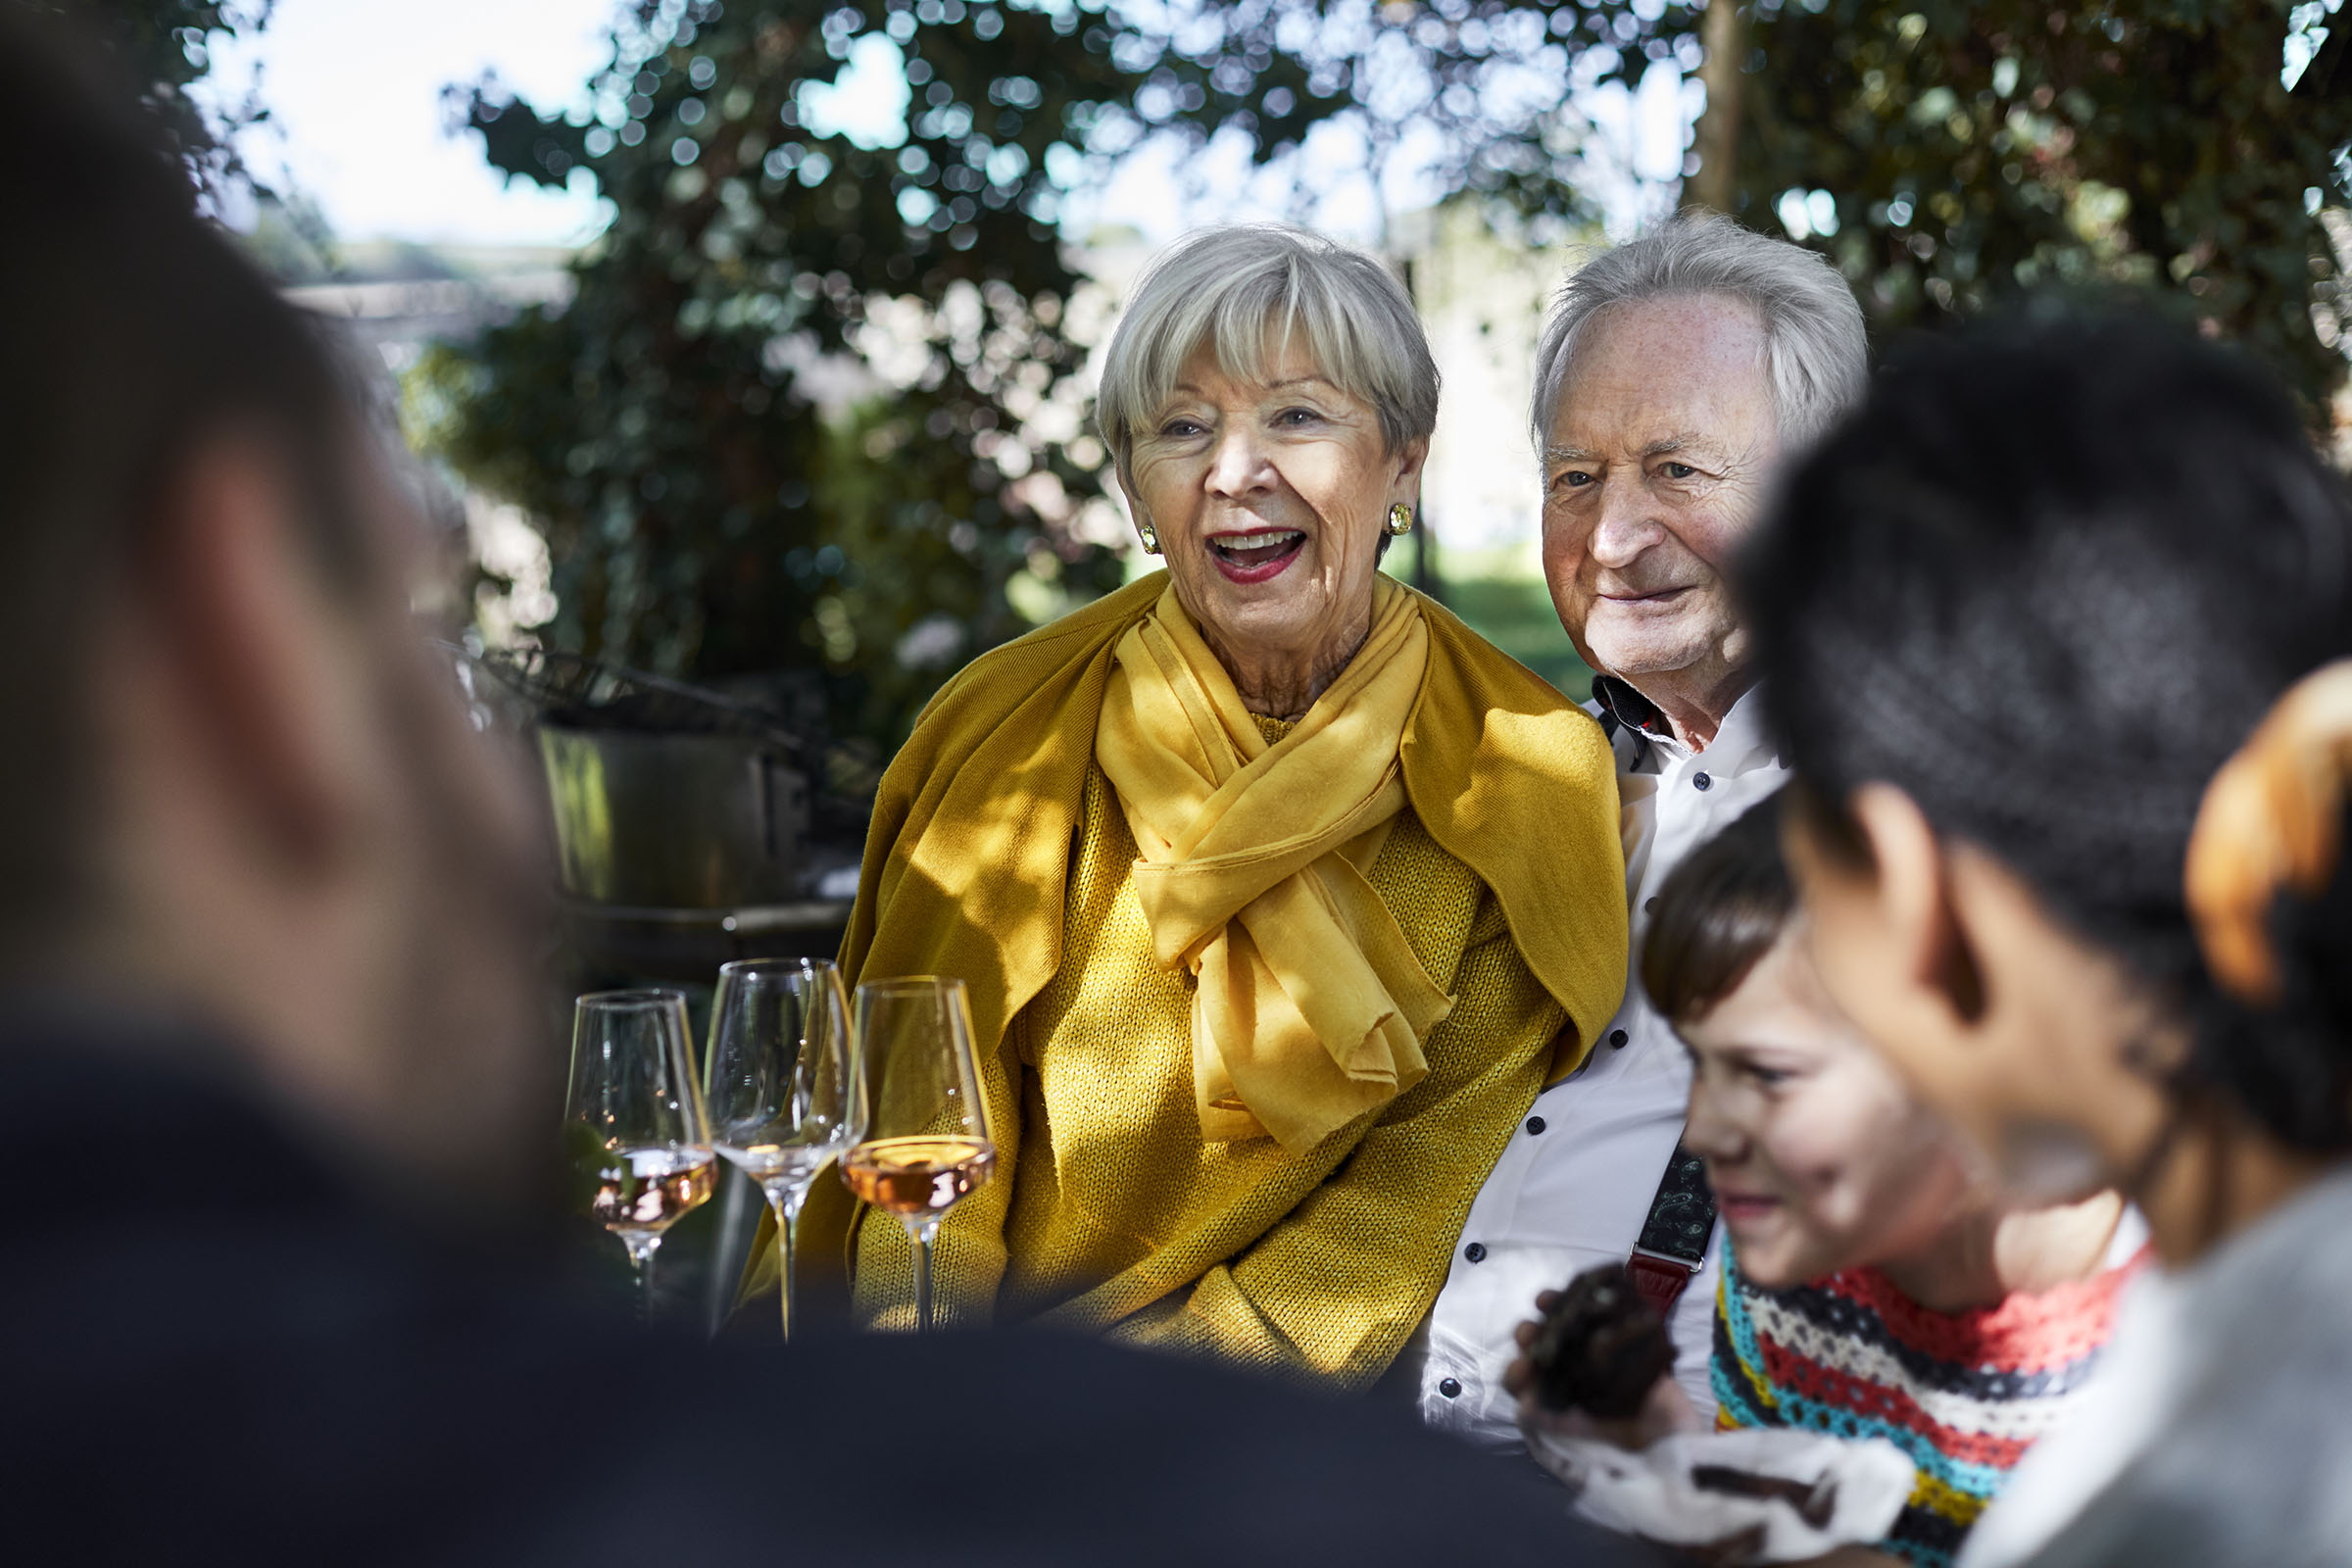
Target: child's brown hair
{"points": [[1720, 911]]}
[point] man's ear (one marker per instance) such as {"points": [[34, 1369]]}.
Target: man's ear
{"points": [[229, 601], [1915, 892]]}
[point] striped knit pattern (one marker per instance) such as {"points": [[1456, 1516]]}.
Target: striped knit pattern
{"points": [[1963, 1394]]}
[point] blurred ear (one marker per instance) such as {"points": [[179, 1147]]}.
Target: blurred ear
{"points": [[252, 651], [1915, 893], [1894, 950]]}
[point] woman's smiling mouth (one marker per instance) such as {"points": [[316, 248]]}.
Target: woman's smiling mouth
{"points": [[1257, 556]]}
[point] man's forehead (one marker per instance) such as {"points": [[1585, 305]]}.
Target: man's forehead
{"points": [[1692, 441], [1684, 342], [1716, 327], [1601, 432], [1685, 370]]}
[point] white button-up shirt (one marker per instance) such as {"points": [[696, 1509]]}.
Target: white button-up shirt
{"points": [[1575, 1186]]}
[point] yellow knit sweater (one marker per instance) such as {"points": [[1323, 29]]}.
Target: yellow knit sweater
{"points": [[1123, 1221], [999, 854]]}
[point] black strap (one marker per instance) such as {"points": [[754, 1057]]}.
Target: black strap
{"points": [[1673, 1243], [1682, 1217], [1682, 1214]]}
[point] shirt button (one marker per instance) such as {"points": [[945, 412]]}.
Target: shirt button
{"points": [[1476, 1251], [1617, 1039], [1452, 1388], [1534, 1124], [1700, 781]]}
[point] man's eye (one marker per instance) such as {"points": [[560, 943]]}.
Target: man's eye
{"points": [[1770, 1077], [1572, 479], [1678, 470]]}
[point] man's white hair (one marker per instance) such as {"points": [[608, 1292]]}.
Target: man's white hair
{"points": [[1816, 351], [1245, 291]]}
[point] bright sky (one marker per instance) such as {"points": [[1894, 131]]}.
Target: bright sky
{"points": [[355, 90], [359, 125]]}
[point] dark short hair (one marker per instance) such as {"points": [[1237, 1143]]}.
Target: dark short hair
{"points": [[2044, 582], [1717, 913], [130, 329]]}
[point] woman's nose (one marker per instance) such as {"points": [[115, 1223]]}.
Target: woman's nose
{"points": [[1240, 465]]}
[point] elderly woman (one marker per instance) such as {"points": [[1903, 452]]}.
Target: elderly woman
{"points": [[1279, 892]]}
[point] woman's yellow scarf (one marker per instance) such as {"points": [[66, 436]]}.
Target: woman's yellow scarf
{"points": [[1310, 1007], [968, 862]]}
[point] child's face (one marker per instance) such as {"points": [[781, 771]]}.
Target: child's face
{"points": [[1820, 1158]]}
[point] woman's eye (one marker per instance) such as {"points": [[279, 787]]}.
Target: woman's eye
{"points": [[1180, 429], [1296, 417], [1769, 1077]]}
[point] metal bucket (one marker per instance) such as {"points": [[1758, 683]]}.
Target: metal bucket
{"points": [[664, 797], [675, 822]]}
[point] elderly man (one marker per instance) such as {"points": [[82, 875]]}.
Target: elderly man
{"points": [[267, 1055], [1676, 372]]}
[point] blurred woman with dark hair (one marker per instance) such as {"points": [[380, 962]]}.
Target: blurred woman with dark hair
{"points": [[2015, 618]]}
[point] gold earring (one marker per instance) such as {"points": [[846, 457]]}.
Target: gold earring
{"points": [[1150, 537], [1400, 520]]}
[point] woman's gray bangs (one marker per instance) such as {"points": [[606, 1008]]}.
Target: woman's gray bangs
{"points": [[1249, 292]]}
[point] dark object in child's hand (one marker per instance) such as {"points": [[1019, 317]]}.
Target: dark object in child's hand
{"points": [[1601, 1347]]}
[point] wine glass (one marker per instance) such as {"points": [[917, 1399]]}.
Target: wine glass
{"points": [[780, 1080], [927, 1144], [634, 1119]]}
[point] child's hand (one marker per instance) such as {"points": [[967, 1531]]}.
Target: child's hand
{"points": [[1520, 1376], [1664, 1411]]}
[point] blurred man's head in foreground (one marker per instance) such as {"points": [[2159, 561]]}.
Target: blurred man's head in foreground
{"points": [[2015, 615], [237, 787]]}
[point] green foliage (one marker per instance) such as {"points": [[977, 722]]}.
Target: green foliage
{"points": [[1974, 149], [722, 497], [164, 47], [1966, 150], [706, 513]]}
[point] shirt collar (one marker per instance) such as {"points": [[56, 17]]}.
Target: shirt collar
{"points": [[1742, 738], [1628, 709], [1739, 740]]}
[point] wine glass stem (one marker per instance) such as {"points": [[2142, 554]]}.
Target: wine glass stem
{"points": [[641, 1257], [922, 1235], [786, 1204]]}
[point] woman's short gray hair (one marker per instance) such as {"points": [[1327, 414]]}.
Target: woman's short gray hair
{"points": [[1816, 351], [1245, 291]]}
